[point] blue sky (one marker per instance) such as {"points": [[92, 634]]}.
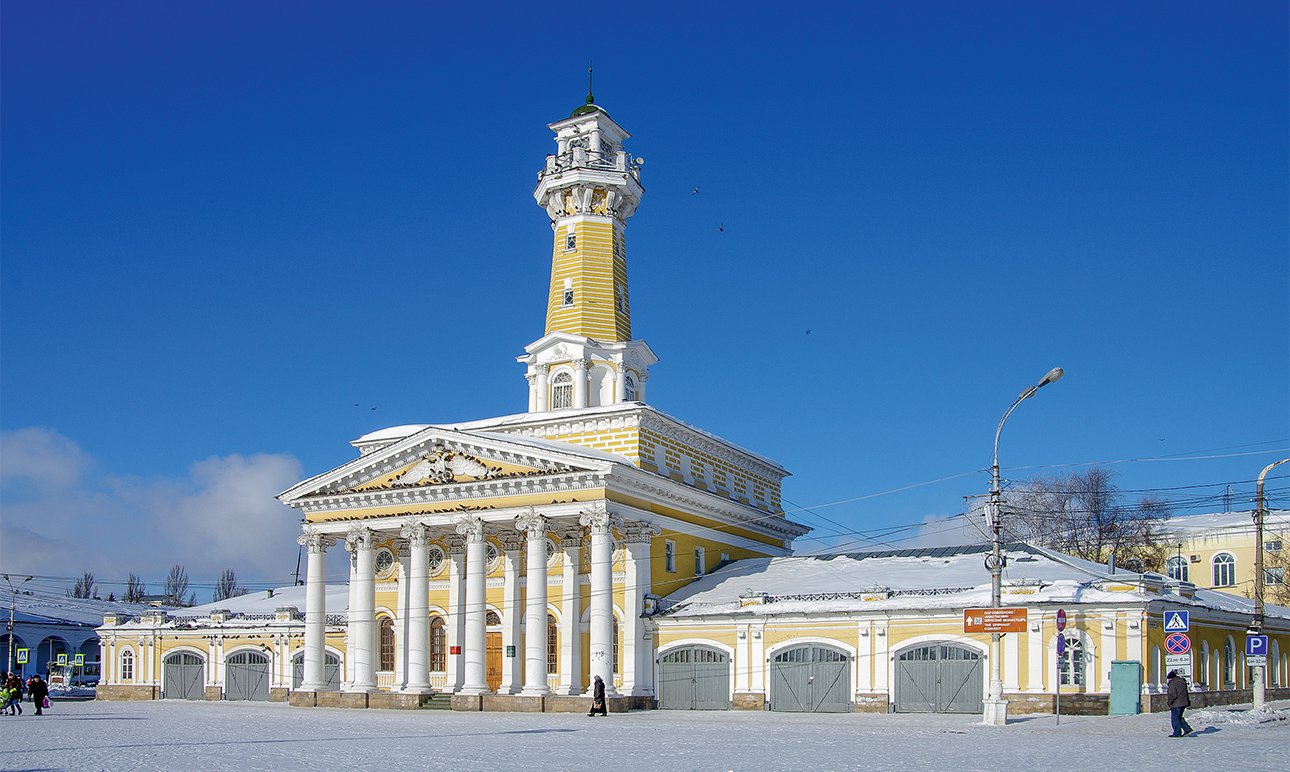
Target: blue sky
{"points": [[226, 224]]}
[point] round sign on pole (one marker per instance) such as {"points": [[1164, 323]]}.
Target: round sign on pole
{"points": [[1177, 643], [1061, 619]]}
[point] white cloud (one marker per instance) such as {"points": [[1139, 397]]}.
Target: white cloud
{"points": [[61, 518]]}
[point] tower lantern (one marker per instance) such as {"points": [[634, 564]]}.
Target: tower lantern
{"points": [[589, 188]]}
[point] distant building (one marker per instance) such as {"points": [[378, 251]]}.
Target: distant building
{"points": [[1216, 551], [47, 625]]}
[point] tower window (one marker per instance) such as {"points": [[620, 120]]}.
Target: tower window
{"points": [[567, 298], [621, 301], [570, 242], [562, 391], [669, 555], [629, 388]]}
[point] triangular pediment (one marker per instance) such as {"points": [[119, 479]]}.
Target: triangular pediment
{"points": [[437, 457]]}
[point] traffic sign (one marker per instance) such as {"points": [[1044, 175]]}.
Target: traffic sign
{"points": [[1256, 645], [1257, 660], [62, 658], [1177, 643], [1177, 621], [22, 656], [1179, 662], [1061, 619], [1061, 645], [79, 661], [994, 620]]}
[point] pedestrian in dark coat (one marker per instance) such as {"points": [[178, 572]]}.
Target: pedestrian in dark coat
{"points": [[1178, 701], [38, 690], [598, 698]]}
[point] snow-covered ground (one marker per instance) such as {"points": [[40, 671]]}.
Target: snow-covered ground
{"points": [[259, 736]]}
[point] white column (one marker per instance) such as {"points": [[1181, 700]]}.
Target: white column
{"points": [[456, 630], [602, 598], [362, 615], [532, 379], [542, 390], [571, 616], [620, 384], [580, 385], [638, 655], [535, 643], [401, 617], [474, 678], [315, 609], [418, 593], [512, 664], [347, 677]]}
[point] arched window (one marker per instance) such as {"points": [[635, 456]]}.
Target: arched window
{"points": [[387, 643], [629, 388], [1176, 568], [1204, 662], [1224, 570], [616, 647], [127, 665], [492, 619], [438, 645], [1229, 663], [1070, 667], [561, 391], [552, 645]]}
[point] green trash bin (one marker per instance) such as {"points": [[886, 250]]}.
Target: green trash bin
{"points": [[1126, 688]]}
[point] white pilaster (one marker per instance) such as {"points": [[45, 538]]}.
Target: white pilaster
{"points": [[542, 391], [864, 657], [315, 609], [418, 673], [1101, 664], [580, 387], [571, 616], [362, 615], [602, 609], [1012, 661], [512, 665], [475, 677], [533, 526], [1035, 654], [881, 664], [620, 384]]}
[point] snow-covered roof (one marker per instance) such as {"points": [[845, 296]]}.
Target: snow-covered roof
{"points": [[1277, 519], [47, 607], [392, 433], [939, 577], [268, 601]]}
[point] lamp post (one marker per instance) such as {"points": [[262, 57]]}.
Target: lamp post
{"points": [[1260, 509], [996, 708], [13, 602]]}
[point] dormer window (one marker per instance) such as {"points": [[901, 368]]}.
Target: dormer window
{"points": [[562, 391], [567, 297]]}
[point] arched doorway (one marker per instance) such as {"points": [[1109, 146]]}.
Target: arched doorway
{"points": [[939, 678], [694, 678], [331, 671], [181, 677], [811, 678], [246, 676]]}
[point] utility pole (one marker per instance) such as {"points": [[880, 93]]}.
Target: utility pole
{"points": [[13, 602], [1260, 509]]}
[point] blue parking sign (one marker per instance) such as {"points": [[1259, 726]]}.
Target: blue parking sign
{"points": [[1256, 645]]}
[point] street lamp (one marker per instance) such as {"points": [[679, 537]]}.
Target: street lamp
{"points": [[996, 708], [1260, 509], [13, 602]]}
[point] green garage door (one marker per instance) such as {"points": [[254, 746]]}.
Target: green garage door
{"points": [[811, 679], [181, 677], [939, 678], [694, 678], [246, 677]]}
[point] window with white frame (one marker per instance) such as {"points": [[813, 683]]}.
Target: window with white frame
{"points": [[562, 391], [1224, 570], [1176, 568], [127, 665], [700, 561], [1272, 546], [387, 644], [617, 653], [1229, 662], [570, 241], [438, 645], [1070, 666], [552, 645], [566, 298], [669, 555], [1204, 662], [1274, 576], [629, 388]]}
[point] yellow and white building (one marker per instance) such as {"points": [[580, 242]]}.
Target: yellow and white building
{"points": [[1217, 550]]}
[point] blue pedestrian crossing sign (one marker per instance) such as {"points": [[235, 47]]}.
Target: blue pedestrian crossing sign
{"points": [[1177, 621]]}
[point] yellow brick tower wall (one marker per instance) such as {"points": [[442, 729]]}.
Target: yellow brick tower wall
{"points": [[596, 269]]}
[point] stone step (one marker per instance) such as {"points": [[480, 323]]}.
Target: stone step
{"points": [[438, 702]]}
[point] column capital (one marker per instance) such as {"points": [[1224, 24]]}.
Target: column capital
{"points": [[417, 534], [597, 519], [358, 537], [639, 531], [581, 364], [532, 524], [471, 527], [541, 369], [316, 541]]}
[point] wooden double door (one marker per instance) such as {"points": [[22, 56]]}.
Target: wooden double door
{"points": [[493, 660]]}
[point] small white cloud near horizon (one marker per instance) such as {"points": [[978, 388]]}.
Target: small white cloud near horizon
{"points": [[63, 516]]}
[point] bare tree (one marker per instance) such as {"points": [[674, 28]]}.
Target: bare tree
{"points": [[1081, 514], [1276, 568], [134, 589], [227, 586], [176, 586], [83, 588]]}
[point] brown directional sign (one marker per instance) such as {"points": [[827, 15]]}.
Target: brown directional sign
{"points": [[994, 620]]}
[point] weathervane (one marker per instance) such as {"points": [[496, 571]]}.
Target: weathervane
{"points": [[591, 100]]}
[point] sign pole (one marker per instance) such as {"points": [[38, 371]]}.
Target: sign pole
{"points": [[1061, 650]]}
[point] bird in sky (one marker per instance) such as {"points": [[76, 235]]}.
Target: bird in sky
{"points": [[721, 228], [695, 192], [808, 332]]}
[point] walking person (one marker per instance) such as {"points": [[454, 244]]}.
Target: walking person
{"points": [[1178, 701], [39, 691], [598, 698]]}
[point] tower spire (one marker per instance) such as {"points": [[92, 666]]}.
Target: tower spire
{"points": [[591, 100]]}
